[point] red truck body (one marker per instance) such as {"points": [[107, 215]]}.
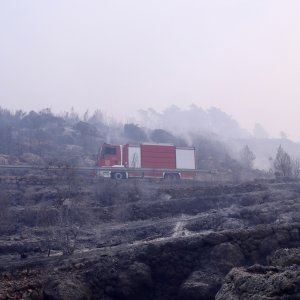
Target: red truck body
{"points": [[147, 160]]}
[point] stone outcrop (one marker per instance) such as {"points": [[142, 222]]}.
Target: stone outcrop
{"points": [[278, 280], [258, 282]]}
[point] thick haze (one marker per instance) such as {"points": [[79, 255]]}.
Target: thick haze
{"points": [[120, 56]]}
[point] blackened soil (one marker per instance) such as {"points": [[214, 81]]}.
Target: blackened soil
{"points": [[77, 237]]}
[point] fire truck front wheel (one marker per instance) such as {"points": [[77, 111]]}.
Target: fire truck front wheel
{"points": [[118, 175]]}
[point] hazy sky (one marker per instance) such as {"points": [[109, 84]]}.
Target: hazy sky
{"points": [[122, 55]]}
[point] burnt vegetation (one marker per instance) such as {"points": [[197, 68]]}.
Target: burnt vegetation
{"points": [[159, 240], [65, 234]]}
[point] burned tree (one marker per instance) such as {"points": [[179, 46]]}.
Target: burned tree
{"points": [[282, 163], [63, 218], [296, 167]]}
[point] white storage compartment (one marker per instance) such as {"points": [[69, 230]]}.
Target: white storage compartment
{"points": [[134, 156], [185, 158]]}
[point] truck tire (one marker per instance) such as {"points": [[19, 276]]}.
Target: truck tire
{"points": [[172, 176], [118, 175]]}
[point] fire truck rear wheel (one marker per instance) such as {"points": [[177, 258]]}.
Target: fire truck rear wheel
{"points": [[118, 175], [172, 176]]}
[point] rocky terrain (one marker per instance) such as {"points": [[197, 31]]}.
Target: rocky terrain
{"points": [[66, 235]]}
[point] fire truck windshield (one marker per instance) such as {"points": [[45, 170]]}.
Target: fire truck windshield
{"points": [[109, 151]]}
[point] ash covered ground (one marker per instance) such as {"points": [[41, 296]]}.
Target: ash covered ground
{"points": [[70, 236]]}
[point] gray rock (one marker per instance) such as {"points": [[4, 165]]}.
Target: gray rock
{"points": [[261, 282], [200, 285], [285, 257]]}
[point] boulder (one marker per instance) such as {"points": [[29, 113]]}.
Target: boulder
{"points": [[261, 282], [200, 285]]}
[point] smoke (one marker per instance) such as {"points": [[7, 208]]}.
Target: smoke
{"points": [[212, 121]]}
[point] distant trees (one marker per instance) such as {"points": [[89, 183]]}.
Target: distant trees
{"points": [[135, 133], [50, 135], [247, 157], [85, 129], [212, 154], [162, 136], [6, 137], [296, 167], [97, 119], [283, 163]]}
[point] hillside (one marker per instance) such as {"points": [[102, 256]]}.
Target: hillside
{"points": [[65, 234], [77, 237]]}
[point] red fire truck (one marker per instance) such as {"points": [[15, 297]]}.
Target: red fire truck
{"points": [[146, 160]]}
